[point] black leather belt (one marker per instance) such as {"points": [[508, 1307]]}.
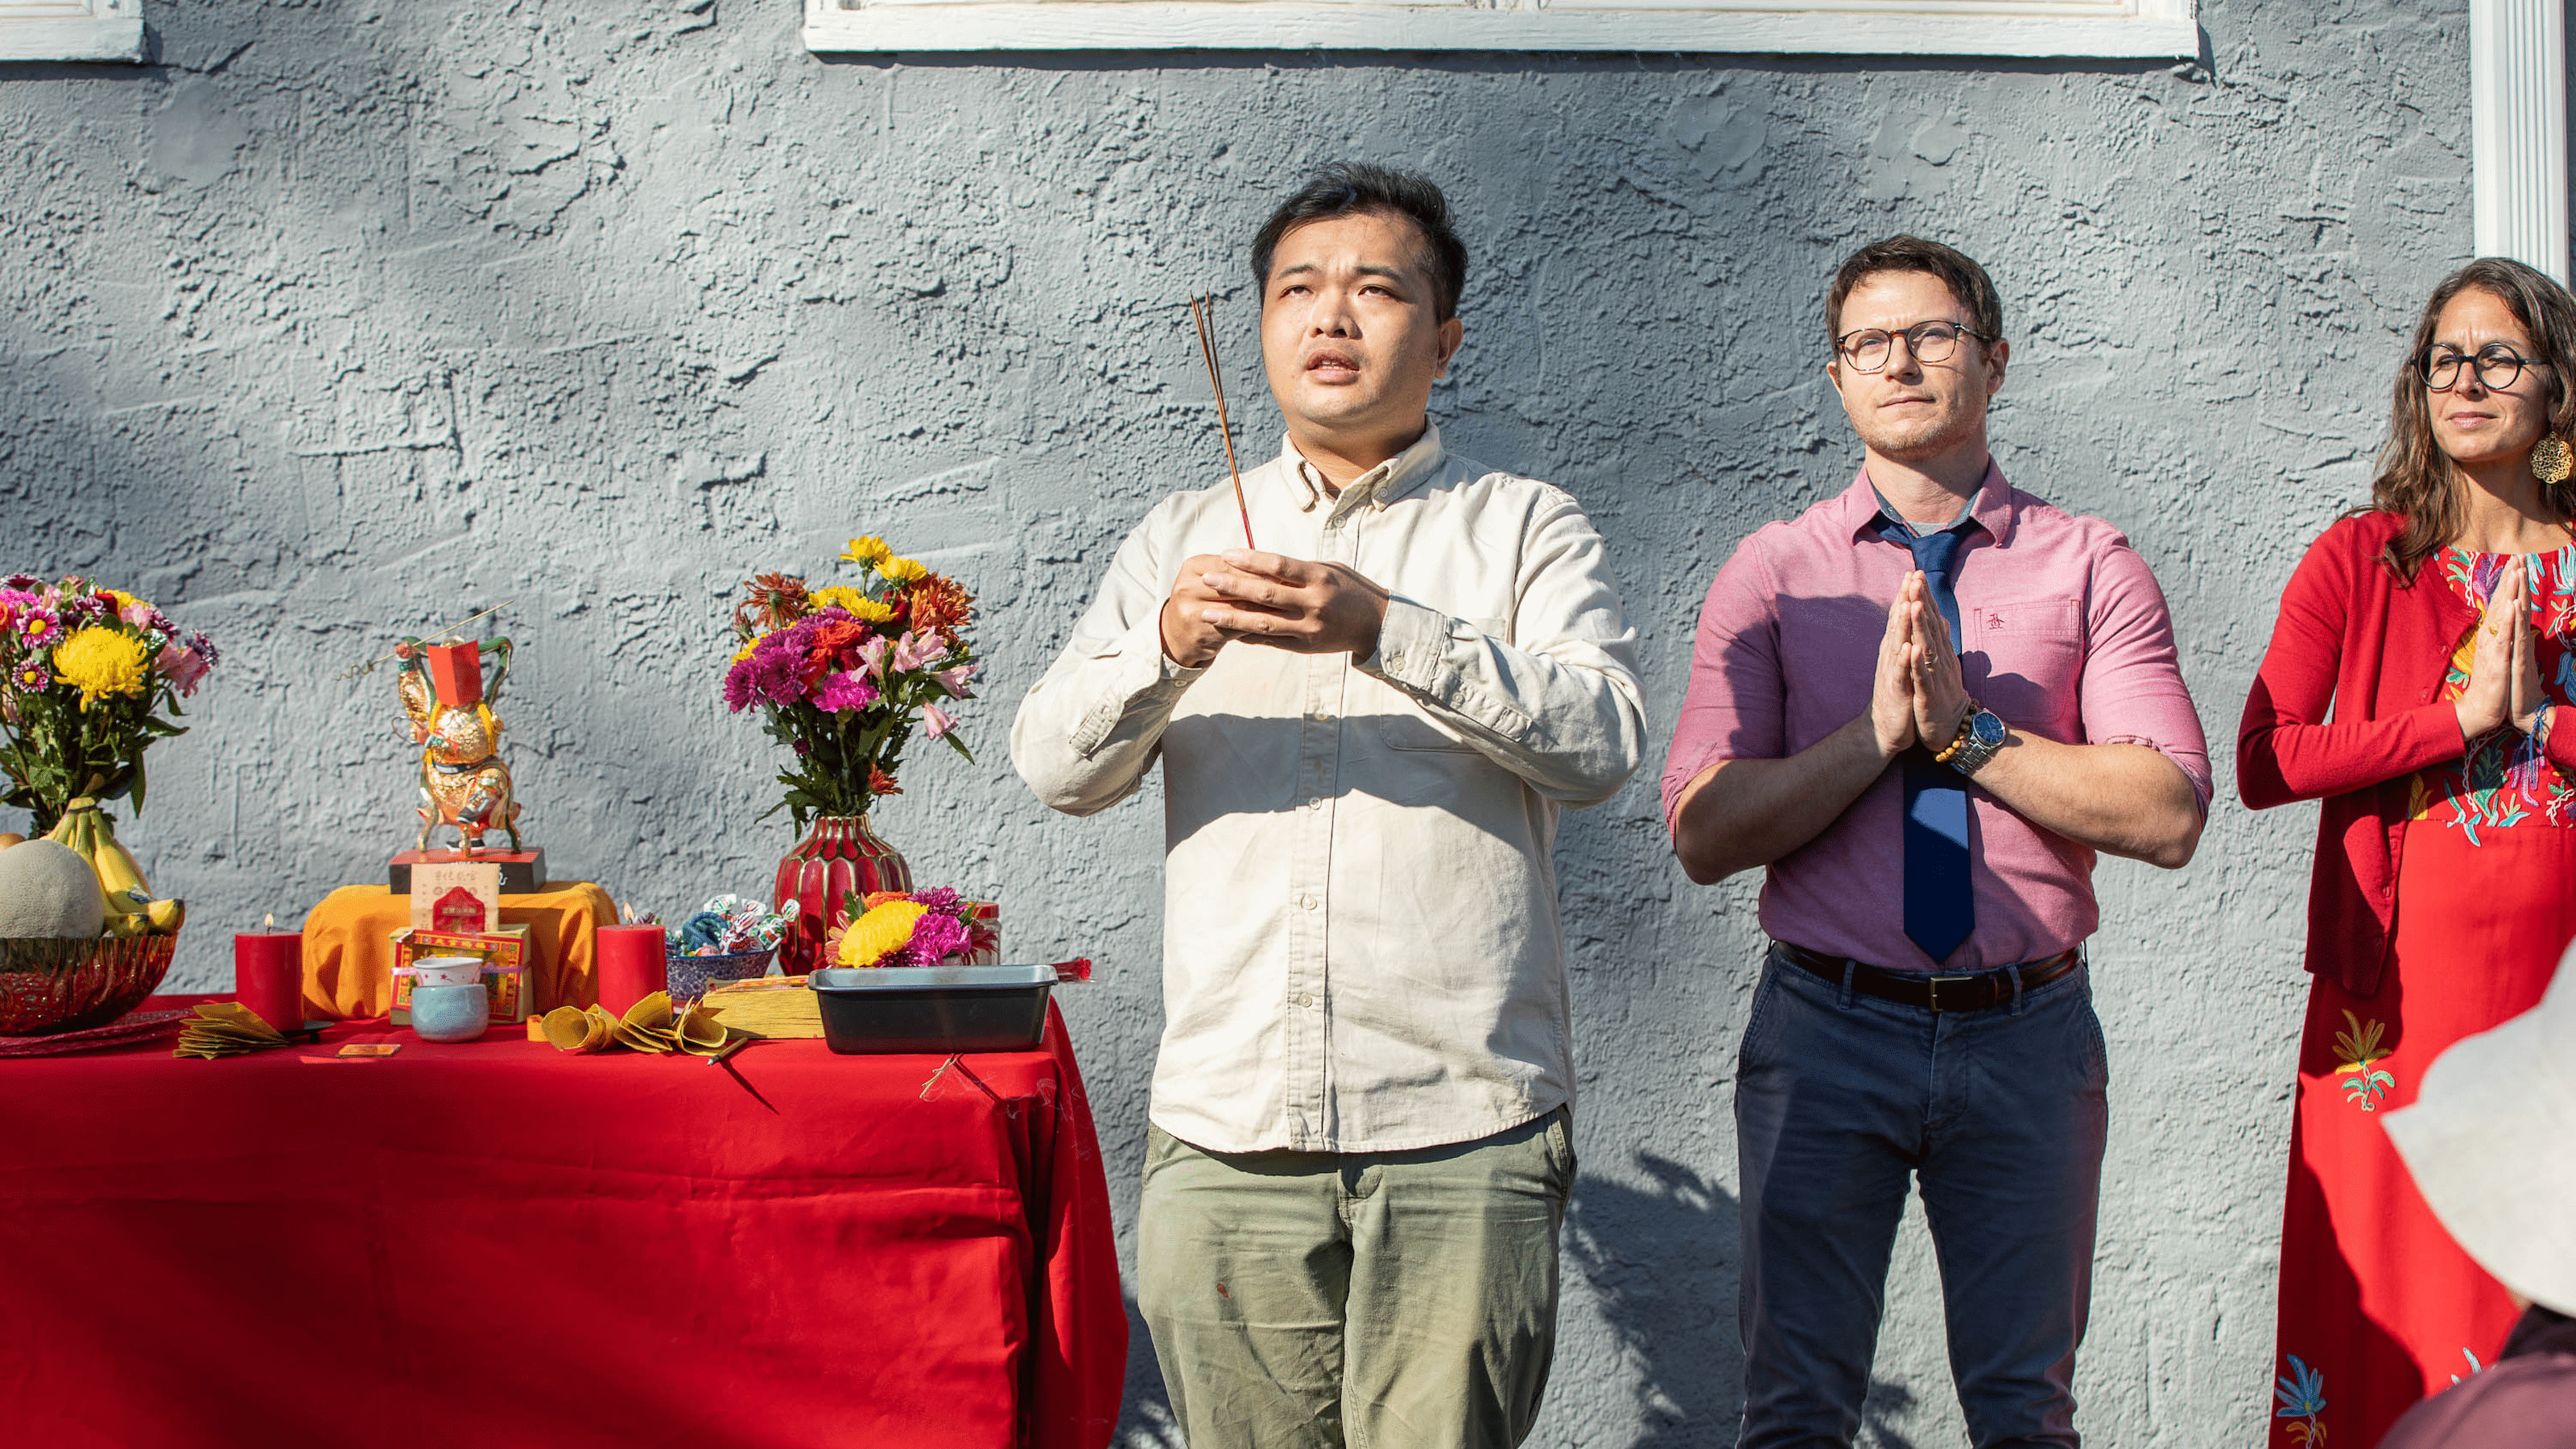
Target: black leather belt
{"points": [[1981, 991]]}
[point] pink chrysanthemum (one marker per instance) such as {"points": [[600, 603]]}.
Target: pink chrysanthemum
{"points": [[33, 676]]}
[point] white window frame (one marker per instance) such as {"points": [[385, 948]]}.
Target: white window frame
{"points": [[2518, 131], [71, 30], [2151, 29]]}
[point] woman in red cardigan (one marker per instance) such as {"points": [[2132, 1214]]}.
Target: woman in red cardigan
{"points": [[2418, 682]]}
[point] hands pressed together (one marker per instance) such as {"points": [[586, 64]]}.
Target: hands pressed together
{"points": [[2504, 664], [1918, 694], [1266, 598]]}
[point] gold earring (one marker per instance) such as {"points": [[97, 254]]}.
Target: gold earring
{"points": [[2552, 460]]}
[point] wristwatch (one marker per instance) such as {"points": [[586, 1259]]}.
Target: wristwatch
{"points": [[1980, 735]]}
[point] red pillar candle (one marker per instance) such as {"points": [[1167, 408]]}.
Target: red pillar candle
{"points": [[631, 965], [268, 975]]}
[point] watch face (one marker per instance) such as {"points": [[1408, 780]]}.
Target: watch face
{"points": [[1988, 729]]}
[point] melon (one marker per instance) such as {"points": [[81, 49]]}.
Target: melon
{"points": [[48, 890]]}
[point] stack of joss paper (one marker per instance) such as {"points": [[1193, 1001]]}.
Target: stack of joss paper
{"points": [[767, 1008], [647, 1026], [227, 1029]]}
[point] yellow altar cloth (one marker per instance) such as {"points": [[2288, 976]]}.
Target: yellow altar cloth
{"points": [[348, 946]]}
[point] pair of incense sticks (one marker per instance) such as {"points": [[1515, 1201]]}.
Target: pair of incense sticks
{"points": [[1203, 314]]}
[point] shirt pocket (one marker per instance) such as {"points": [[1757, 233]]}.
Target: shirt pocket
{"points": [[2034, 657], [1407, 726]]}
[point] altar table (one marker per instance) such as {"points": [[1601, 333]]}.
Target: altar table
{"points": [[493, 1244]]}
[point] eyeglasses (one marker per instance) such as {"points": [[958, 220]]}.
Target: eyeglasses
{"points": [[1867, 349], [2498, 366]]}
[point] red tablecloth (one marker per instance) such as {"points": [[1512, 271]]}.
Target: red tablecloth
{"points": [[492, 1244]]}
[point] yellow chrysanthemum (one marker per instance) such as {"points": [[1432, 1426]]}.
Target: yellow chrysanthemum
{"points": [[859, 605], [903, 570], [99, 662], [744, 652], [867, 550], [880, 933]]}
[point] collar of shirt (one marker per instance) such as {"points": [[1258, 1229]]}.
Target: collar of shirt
{"points": [[1861, 507], [1376, 488]]}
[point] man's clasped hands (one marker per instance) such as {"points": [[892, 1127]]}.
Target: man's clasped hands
{"points": [[1266, 598]]}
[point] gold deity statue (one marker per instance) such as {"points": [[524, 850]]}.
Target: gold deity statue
{"points": [[462, 780]]}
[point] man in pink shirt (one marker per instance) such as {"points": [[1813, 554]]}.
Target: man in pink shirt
{"points": [[1922, 706]]}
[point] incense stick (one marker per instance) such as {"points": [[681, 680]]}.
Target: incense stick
{"points": [[1204, 319]]}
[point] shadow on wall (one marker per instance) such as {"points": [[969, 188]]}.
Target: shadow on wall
{"points": [[1662, 1260]]}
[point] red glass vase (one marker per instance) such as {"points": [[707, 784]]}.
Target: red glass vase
{"points": [[842, 855]]}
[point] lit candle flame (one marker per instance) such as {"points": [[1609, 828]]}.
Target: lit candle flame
{"points": [[268, 922]]}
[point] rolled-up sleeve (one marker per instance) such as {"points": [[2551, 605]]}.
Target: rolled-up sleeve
{"points": [[1735, 707], [2131, 690]]}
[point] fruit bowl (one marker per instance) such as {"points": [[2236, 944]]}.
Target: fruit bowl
{"points": [[51, 984]]}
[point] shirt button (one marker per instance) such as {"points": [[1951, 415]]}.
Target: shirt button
{"points": [[1305, 998], [1306, 902], [1323, 716]]}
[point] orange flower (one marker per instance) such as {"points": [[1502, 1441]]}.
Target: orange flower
{"points": [[938, 603], [773, 601], [881, 783]]}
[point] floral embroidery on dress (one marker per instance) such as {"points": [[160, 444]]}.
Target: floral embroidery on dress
{"points": [[2364, 1082], [2301, 1394], [2505, 780]]}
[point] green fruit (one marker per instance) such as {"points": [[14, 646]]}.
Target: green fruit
{"points": [[46, 889]]}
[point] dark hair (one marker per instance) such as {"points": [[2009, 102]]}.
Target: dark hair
{"points": [[1347, 188], [1968, 282], [2416, 480]]}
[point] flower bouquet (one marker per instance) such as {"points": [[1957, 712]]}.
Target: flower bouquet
{"points": [[843, 673], [923, 928], [90, 678]]}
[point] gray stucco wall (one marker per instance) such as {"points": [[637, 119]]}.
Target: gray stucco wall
{"points": [[345, 316]]}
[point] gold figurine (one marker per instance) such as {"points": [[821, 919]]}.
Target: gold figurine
{"points": [[462, 780]]}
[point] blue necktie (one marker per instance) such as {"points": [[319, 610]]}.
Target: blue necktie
{"points": [[1939, 911]]}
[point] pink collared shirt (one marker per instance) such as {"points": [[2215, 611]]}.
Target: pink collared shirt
{"points": [[2067, 639]]}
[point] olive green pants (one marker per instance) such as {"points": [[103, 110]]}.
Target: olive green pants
{"points": [[1384, 1300]]}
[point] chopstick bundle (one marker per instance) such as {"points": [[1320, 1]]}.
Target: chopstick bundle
{"points": [[1204, 317]]}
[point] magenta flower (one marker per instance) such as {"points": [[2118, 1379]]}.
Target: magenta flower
{"points": [[935, 938], [22, 582], [954, 680], [937, 898], [204, 648], [772, 673], [845, 691], [183, 666], [33, 676], [39, 627]]}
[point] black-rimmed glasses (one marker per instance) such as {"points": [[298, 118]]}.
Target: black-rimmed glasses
{"points": [[2499, 366], [1867, 350]]}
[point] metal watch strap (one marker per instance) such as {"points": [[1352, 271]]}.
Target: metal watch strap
{"points": [[1974, 750]]}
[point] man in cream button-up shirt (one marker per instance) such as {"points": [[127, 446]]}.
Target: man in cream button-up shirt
{"points": [[1366, 731]]}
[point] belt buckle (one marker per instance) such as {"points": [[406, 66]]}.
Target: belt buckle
{"points": [[1932, 989]]}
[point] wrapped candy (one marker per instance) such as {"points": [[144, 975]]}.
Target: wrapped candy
{"points": [[730, 925]]}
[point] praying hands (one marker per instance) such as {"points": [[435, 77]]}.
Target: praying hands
{"points": [[1919, 694]]}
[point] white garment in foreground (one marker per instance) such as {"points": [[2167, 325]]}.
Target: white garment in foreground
{"points": [[1360, 941]]}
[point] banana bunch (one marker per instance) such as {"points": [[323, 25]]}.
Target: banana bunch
{"points": [[131, 911]]}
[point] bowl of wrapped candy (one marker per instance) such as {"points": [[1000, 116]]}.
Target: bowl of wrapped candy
{"points": [[731, 938]]}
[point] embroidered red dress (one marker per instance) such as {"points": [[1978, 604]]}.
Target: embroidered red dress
{"points": [[2378, 1307]]}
